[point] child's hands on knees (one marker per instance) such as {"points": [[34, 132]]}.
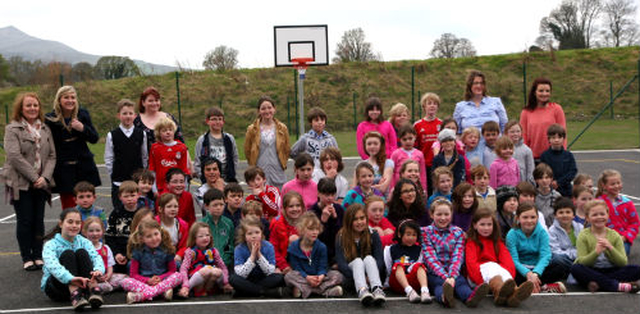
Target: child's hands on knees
{"points": [[184, 292], [153, 281], [451, 281], [79, 282], [533, 277], [121, 259]]}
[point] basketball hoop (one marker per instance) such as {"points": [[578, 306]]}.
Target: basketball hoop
{"points": [[301, 64]]}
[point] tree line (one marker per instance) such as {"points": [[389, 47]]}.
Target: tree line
{"points": [[574, 24]]}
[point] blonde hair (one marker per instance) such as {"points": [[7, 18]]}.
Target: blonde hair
{"points": [[469, 131], [441, 171], [595, 203], [604, 177], [162, 124], [430, 96], [193, 233], [244, 225], [92, 220], [136, 242], [396, 111], [57, 110], [308, 221]]}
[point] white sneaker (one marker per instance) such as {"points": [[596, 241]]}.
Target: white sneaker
{"points": [[168, 295], [133, 297], [413, 297], [425, 298]]}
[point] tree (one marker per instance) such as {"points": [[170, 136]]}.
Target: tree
{"points": [[620, 27], [450, 46], [114, 67], [571, 25], [82, 71], [222, 58], [353, 48], [4, 70]]}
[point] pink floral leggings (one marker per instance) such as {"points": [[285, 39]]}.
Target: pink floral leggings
{"points": [[149, 292]]}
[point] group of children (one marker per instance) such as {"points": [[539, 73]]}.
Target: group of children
{"points": [[459, 219]]}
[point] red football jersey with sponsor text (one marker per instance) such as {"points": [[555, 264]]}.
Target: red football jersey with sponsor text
{"points": [[164, 157]]}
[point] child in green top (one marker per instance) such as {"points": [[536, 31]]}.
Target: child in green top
{"points": [[602, 263]]}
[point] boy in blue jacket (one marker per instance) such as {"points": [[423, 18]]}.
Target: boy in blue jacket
{"points": [[560, 160]]}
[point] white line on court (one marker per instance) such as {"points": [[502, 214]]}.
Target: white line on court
{"points": [[7, 218], [635, 150], [262, 301]]}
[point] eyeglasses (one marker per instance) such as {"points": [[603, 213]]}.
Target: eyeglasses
{"points": [[408, 191]]}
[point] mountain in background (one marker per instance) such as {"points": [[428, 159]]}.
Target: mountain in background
{"points": [[14, 42]]}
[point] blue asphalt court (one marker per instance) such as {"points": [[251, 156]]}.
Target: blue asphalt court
{"points": [[21, 292]]}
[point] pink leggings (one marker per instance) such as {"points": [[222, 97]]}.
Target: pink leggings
{"points": [[149, 292]]}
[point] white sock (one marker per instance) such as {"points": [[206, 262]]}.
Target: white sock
{"points": [[196, 280], [424, 289], [408, 290]]}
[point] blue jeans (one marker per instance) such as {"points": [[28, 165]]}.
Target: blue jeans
{"points": [[461, 288], [627, 247]]}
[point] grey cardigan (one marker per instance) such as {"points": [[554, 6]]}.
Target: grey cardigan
{"points": [[559, 239], [18, 172]]}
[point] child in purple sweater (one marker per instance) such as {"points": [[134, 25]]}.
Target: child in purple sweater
{"points": [[504, 169]]}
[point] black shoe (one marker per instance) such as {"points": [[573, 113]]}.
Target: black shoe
{"points": [[95, 298], [78, 302]]}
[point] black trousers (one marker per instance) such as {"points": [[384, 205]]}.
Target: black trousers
{"points": [[255, 285], [554, 272], [77, 263], [30, 223]]}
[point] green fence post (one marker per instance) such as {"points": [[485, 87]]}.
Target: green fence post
{"points": [[6, 113], [220, 104], [413, 89], [524, 81], [419, 106], [611, 97], [295, 100], [61, 77], [288, 113], [355, 124], [178, 96], [638, 77]]}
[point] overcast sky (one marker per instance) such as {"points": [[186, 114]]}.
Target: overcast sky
{"points": [[168, 31]]}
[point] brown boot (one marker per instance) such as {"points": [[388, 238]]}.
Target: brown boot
{"points": [[520, 294], [503, 291]]}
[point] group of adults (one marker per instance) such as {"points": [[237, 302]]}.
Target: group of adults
{"points": [[49, 153]]}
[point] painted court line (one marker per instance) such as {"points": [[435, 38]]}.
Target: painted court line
{"points": [[170, 304]]}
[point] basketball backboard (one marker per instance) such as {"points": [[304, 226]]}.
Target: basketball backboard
{"points": [[301, 41]]}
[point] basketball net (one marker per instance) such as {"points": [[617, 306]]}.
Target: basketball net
{"points": [[301, 64]]}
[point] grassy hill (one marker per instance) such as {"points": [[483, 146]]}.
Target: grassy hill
{"points": [[581, 81]]}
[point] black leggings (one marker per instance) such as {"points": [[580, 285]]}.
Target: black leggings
{"points": [[254, 286], [554, 272], [78, 263]]}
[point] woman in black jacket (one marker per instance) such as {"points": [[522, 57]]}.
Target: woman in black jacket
{"points": [[71, 128]]}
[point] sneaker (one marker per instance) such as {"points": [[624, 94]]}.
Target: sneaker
{"points": [[477, 295], [95, 297], [413, 297], [133, 297], [333, 292], [520, 294], [447, 295], [556, 287], [425, 298], [366, 298], [593, 287], [295, 292], [168, 295], [635, 287], [78, 302], [277, 293], [379, 297], [506, 291]]}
